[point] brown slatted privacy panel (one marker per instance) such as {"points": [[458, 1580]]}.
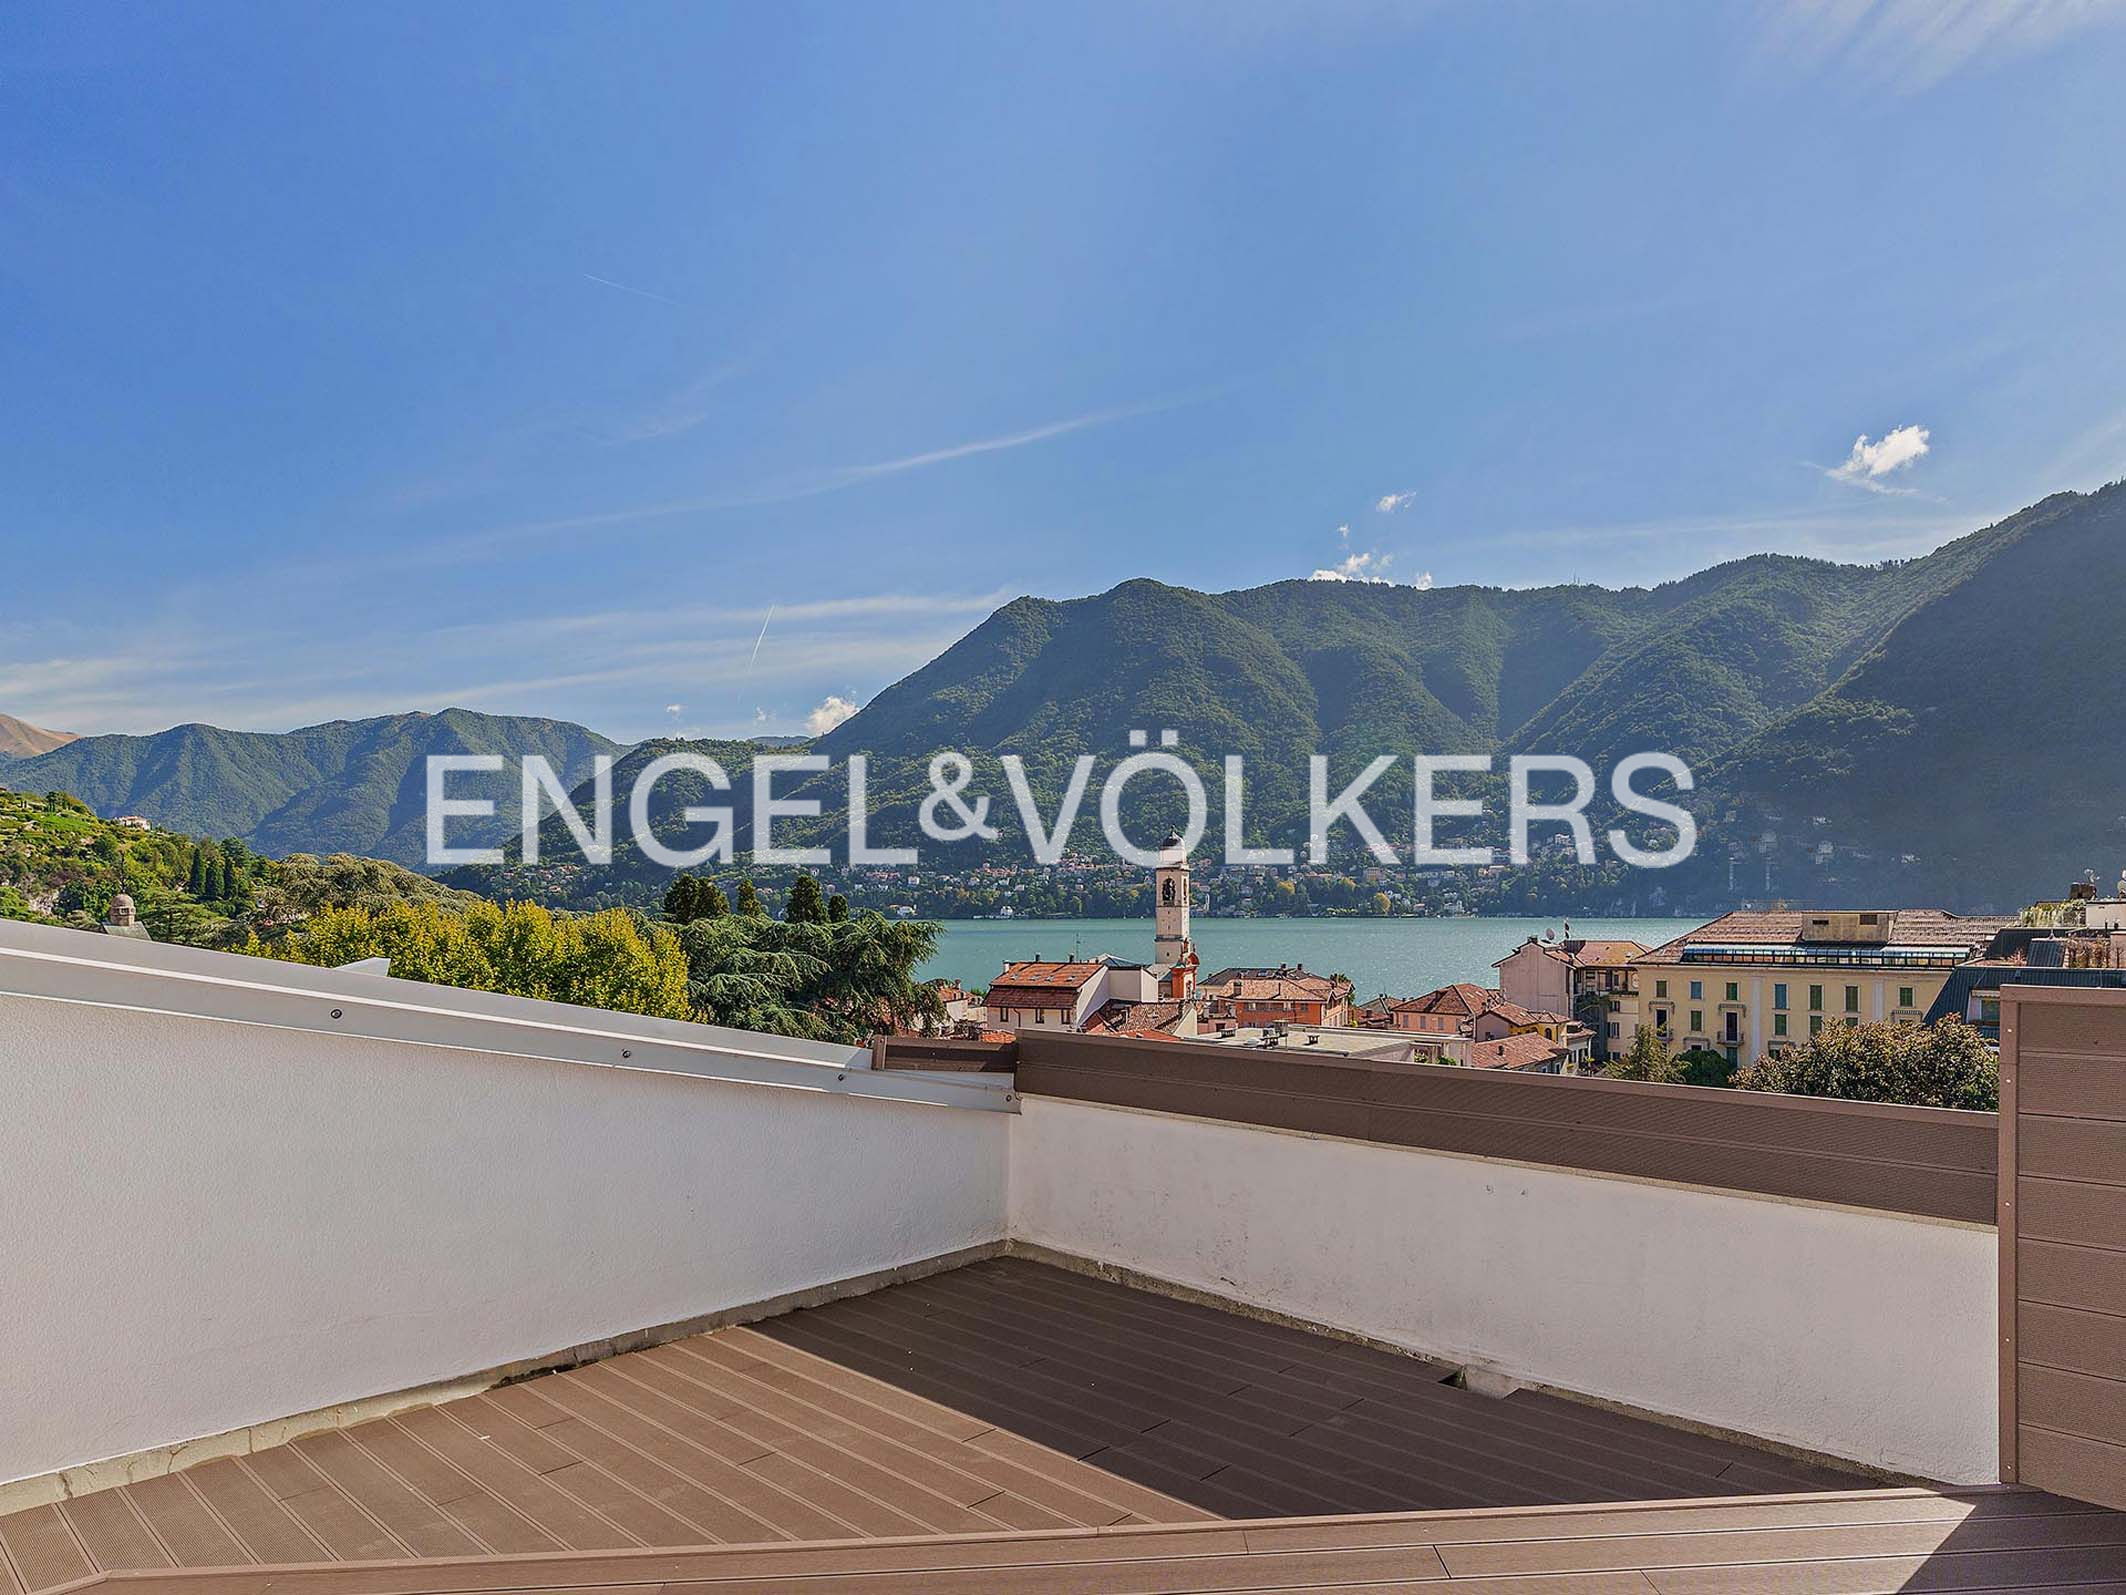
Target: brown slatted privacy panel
{"points": [[1925, 1161], [2063, 1241]]}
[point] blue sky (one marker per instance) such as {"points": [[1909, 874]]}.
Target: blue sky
{"points": [[691, 368]]}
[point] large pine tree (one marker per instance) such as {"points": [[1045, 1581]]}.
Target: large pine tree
{"points": [[807, 905]]}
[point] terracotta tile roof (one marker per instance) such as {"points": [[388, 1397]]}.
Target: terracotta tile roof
{"points": [[1036, 973], [1579, 954], [1608, 952], [1119, 1018], [1464, 999], [1513, 1052], [1909, 927], [1514, 1014], [1286, 984]]}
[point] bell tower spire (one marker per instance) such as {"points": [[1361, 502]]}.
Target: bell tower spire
{"points": [[1172, 947]]}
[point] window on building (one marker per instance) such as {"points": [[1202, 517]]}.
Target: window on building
{"points": [[1697, 1020], [1815, 1024], [1697, 991], [1852, 999], [1778, 1024], [1904, 997], [1816, 999], [1734, 992], [1779, 994], [1661, 1021], [1660, 988]]}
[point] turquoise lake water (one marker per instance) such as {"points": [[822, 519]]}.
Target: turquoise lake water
{"points": [[1401, 956]]}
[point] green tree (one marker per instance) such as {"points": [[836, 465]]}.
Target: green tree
{"points": [[1648, 1058], [680, 899], [832, 982], [806, 905], [749, 900], [615, 959], [710, 903], [1703, 1066], [196, 879], [837, 909], [1943, 1065]]}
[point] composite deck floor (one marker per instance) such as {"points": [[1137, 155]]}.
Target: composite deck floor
{"points": [[995, 1400]]}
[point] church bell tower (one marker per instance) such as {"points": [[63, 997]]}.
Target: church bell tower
{"points": [[1170, 942]]}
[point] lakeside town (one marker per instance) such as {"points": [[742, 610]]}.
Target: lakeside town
{"points": [[1750, 984]]}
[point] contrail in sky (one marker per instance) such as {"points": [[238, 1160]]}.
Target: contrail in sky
{"points": [[758, 640], [624, 288]]}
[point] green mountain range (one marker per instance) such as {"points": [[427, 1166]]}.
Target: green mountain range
{"points": [[350, 786], [1940, 730], [1934, 730]]}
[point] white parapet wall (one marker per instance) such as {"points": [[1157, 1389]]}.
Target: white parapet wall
{"points": [[1842, 1332], [212, 1223]]}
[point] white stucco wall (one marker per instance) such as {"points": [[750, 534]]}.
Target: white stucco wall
{"points": [[206, 1225], [1854, 1334]]}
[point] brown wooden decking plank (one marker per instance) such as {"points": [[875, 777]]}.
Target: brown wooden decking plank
{"points": [[902, 1479], [523, 1402], [462, 1498], [610, 1383], [866, 1512], [1006, 1369], [574, 1525], [1237, 1342], [1236, 1337], [1074, 1491], [1378, 1478], [979, 1316], [183, 1523], [710, 1518], [418, 1522], [824, 1447], [1348, 1370], [43, 1547], [1562, 1467], [828, 1400], [10, 1580], [545, 1450], [1063, 1427], [269, 1531], [1037, 1459], [875, 1436], [1016, 1512], [1300, 1570], [1738, 1512], [525, 1443], [113, 1533], [732, 1489], [1793, 1544], [2027, 1571], [804, 1368], [641, 1570]]}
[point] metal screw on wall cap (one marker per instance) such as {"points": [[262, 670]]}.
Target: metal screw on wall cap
{"points": [[335, 1013], [625, 1054]]}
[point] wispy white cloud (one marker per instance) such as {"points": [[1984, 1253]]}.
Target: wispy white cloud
{"points": [[628, 288], [1912, 45], [514, 536], [832, 711], [1389, 503], [1869, 463]]}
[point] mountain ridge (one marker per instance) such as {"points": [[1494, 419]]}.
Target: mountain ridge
{"points": [[21, 740], [340, 786]]}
